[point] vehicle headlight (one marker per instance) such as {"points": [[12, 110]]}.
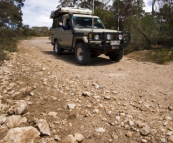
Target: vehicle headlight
{"points": [[96, 37], [120, 37], [109, 36]]}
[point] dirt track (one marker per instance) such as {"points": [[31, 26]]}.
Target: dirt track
{"points": [[129, 101]]}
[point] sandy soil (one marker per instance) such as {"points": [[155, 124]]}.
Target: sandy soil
{"points": [[130, 101]]}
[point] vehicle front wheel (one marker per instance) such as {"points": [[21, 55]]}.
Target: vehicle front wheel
{"points": [[118, 56], [58, 50], [82, 54]]}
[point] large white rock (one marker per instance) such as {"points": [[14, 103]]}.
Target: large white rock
{"points": [[71, 106], [20, 107], [100, 130], [3, 130], [170, 138], [26, 90], [43, 127], [22, 93], [22, 135], [15, 121], [79, 137], [17, 95], [53, 114], [145, 130], [11, 86], [69, 139], [2, 119]]}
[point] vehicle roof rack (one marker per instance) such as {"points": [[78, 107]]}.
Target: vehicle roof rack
{"points": [[66, 10]]}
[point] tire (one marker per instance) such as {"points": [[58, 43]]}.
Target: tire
{"points": [[82, 54], [118, 56], [57, 48]]}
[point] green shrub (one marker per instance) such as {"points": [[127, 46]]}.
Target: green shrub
{"points": [[8, 40], [161, 56], [3, 55]]}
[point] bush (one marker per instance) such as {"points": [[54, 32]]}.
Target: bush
{"points": [[3, 55], [161, 56], [8, 40]]}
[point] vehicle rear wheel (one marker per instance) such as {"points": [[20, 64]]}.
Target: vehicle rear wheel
{"points": [[118, 56], [58, 50], [82, 54]]}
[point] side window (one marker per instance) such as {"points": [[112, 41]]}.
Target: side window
{"points": [[54, 25], [60, 19]]}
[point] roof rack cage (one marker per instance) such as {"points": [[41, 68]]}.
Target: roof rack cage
{"points": [[66, 10]]}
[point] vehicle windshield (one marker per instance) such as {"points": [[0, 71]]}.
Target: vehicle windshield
{"points": [[86, 22]]}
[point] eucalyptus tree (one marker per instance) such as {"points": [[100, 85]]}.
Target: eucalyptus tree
{"points": [[97, 4], [68, 3], [10, 13], [165, 15], [84, 3], [124, 9], [142, 26], [166, 10], [153, 4]]}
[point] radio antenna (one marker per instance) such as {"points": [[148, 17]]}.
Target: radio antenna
{"points": [[93, 17]]}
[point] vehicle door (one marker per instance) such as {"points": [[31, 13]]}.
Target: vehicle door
{"points": [[56, 32], [67, 35]]}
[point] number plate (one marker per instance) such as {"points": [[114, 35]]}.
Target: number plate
{"points": [[114, 42], [115, 47]]}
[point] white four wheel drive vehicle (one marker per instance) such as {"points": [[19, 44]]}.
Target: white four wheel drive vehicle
{"points": [[86, 36]]}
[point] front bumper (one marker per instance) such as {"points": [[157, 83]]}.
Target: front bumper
{"points": [[104, 44]]}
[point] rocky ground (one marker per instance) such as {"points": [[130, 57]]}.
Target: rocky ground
{"points": [[45, 98]]}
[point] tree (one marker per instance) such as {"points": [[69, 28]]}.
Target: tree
{"points": [[149, 29], [107, 17], [124, 9], [97, 4], [153, 4], [84, 3], [10, 13], [165, 15]]}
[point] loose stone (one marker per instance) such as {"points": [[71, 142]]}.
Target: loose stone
{"points": [[170, 138], [107, 97], [22, 135], [96, 111], [43, 127], [131, 123], [144, 141], [145, 130], [100, 130], [78, 137], [163, 140], [69, 139], [71, 106], [129, 134], [56, 137], [117, 118], [170, 107], [86, 93]]}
